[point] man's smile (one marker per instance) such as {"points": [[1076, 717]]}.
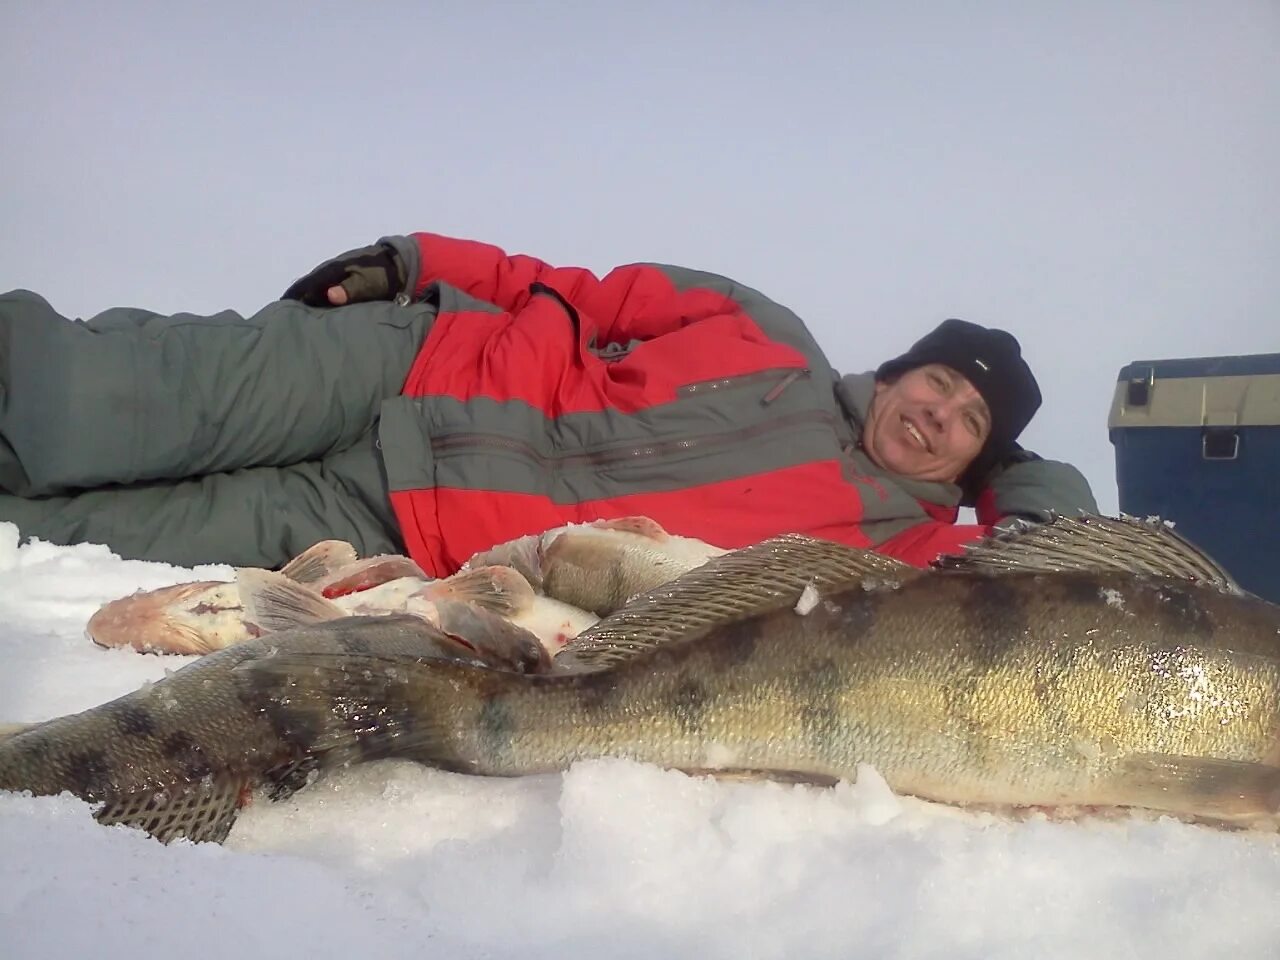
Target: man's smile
{"points": [[916, 434]]}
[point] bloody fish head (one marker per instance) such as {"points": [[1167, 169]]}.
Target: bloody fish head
{"points": [[186, 618]]}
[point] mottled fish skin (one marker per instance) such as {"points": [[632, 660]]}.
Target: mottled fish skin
{"points": [[177, 756], [599, 566], [1024, 689]]}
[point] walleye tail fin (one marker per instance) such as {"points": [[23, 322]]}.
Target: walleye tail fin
{"points": [[355, 707], [319, 560], [497, 589], [1232, 791], [274, 602]]}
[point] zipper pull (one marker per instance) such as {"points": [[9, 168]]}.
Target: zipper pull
{"points": [[782, 384]]}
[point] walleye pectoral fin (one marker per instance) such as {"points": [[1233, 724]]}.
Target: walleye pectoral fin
{"points": [[497, 642], [1229, 790], [319, 560], [366, 573], [288, 778], [274, 602], [200, 812], [640, 526], [1093, 544], [498, 589]]}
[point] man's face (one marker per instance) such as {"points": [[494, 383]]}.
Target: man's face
{"points": [[929, 424]]}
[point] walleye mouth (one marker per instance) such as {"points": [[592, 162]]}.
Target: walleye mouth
{"points": [[916, 434]]}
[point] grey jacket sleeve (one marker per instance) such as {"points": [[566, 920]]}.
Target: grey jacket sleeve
{"points": [[1036, 489]]}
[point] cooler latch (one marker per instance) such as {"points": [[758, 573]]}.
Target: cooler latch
{"points": [[1219, 443], [1221, 403], [1138, 392]]}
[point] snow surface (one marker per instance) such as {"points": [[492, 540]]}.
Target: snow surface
{"points": [[612, 859]]}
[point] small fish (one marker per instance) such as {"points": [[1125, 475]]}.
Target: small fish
{"points": [[200, 617], [504, 591], [1040, 671], [599, 566], [503, 598], [179, 757], [485, 609], [205, 615]]}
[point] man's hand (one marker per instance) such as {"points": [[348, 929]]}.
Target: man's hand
{"points": [[369, 273]]}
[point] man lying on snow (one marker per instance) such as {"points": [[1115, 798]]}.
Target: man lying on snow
{"points": [[436, 396]]}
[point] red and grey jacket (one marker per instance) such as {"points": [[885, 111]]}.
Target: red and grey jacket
{"points": [[546, 395]]}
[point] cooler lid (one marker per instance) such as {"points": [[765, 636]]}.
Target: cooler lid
{"points": [[1241, 391]]}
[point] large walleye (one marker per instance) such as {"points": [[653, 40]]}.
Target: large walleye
{"points": [[180, 756], [1043, 671]]}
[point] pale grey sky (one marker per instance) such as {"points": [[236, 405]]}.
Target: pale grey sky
{"points": [[1098, 177]]}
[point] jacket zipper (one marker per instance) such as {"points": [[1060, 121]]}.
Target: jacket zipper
{"points": [[789, 375], [658, 449]]}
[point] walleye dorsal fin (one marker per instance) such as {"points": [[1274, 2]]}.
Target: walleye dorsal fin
{"points": [[498, 589], [1094, 544], [761, 578], [319, 560], [273, 602]]}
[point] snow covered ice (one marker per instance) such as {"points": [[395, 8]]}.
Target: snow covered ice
{"points": [[611, 859]]}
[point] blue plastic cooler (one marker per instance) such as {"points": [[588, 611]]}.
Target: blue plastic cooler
{"points": [[1198, 442]]}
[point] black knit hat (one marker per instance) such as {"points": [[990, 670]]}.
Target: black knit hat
{"points": [[992, 361]]}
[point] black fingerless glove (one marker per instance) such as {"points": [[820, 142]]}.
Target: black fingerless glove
{"points": [[369, 273]]}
